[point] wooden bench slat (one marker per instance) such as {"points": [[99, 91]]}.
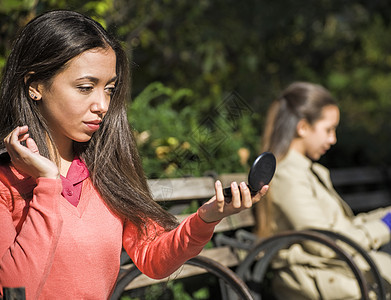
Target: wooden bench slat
{"points": [[243, 219], [182, 188], [226, 179], [363, 188], [356, 176], [373, 199]]}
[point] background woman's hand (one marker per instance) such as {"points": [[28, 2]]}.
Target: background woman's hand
{"points": [[216, 208], [27, 159]]}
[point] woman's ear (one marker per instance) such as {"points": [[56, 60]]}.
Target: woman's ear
{"points": [[34, 93], [302, 128], [34, 88]]}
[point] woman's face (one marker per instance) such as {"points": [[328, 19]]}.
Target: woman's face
{"points": [[78, 98], [320, 136]]}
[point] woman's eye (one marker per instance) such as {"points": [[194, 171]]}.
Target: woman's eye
{"points": [[110, 90], [85, 89]]}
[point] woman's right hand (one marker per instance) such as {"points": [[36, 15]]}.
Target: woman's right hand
{"points": [[27, 159]]}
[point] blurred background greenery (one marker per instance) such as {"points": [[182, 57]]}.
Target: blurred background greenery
{"points": [[204, 73]]}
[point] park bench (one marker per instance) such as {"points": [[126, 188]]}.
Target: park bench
{"points": [[363, 188], [233, 240], [177, 195]]}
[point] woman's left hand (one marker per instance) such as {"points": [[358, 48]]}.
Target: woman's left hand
{"points": [[216, 208]]}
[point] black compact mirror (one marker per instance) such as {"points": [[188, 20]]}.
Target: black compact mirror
{"points": [[261, 173]]}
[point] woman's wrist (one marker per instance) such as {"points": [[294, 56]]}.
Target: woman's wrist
{"points": [[203, 214]]}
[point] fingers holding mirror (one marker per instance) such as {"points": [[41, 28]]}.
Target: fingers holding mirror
{"points": [[260, 175]]}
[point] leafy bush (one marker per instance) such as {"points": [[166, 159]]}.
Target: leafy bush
{"points": [[177, 140]]}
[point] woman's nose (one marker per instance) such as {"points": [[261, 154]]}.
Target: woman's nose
{"points": [[333, 138], [101, 103]]}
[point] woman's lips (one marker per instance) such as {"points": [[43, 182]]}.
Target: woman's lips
{"points": [[94, 126]]}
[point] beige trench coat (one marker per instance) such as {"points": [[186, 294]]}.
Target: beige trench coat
{"points": [[300, 201]]}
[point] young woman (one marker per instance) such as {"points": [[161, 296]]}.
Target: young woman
{"points": [[72, 190], [300, 128]]}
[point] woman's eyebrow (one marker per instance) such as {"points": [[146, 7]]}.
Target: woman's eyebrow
{"points": [[113, 79], [90, 78], [95, 79]]}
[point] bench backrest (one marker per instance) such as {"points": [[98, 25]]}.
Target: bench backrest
{"points": [[363, 188]]}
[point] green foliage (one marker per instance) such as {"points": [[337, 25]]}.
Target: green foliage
{"points": [[176, 140], [256, 49], [14, 14], [8, 6], [207, 49]]}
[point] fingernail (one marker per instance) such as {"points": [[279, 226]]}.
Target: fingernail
{"points": [[234, 185], [243, 186], [218, 182]]}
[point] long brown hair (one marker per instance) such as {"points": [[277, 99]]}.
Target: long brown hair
{"points": [[40, 52], [300, 100]]}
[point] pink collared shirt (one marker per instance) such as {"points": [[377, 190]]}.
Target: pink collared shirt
{"points": [[72, 183], [59, 251]]}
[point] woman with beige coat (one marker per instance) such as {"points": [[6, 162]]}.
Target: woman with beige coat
{"points": [[301, 127]]}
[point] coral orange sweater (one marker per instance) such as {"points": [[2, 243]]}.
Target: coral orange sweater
{"points": [[58, 251]]}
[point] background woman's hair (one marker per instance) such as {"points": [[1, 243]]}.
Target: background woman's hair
{"points": [[40, 52], [300, 100]]}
